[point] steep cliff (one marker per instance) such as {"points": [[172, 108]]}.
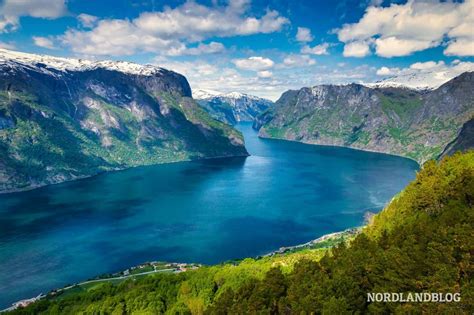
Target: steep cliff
{"points": [[232, 107], [396, 120], [66, 118]]}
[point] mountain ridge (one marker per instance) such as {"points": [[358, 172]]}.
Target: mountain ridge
{"points": [[59, 124], [231, 107], [401, 121]]}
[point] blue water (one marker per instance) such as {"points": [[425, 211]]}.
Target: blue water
{"points": [[208, 211]]}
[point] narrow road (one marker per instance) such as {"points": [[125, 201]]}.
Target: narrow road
{"points": [[115, 278]]}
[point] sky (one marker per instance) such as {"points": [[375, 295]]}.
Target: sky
{"points": [[257, 47]]}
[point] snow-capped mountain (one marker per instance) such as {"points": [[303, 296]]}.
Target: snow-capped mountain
{"points": [[203, 94], [424, 79], [231, 107], [56, 65], [62, 118]]}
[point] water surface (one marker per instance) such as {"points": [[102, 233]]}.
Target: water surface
{"points": [[210, 211]]}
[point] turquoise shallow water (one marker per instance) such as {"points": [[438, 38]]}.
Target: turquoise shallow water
{"points": [[207, 211]]}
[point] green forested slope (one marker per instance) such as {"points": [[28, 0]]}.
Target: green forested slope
{"points": [[422, 242], [410, 123], [60, 127]]}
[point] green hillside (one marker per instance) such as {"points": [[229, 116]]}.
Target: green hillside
{"points": [[61, 127], [410, 123], [422, 242]]}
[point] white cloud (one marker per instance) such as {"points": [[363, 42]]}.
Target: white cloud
{"points": [[12, 10], [395, 47], [265, 74], [203, 75], [211, 48], [254, 63], [427, 65], [171, 28], [402, 29], [298, 61], [87, 20], [192, 70], [356, 49], [5, 45], [316, 50], [460, 47], [304, 35], [43, 42], [385, 71]]}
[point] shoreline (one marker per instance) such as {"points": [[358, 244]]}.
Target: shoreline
{"points": [[176, 267], [326, 237], [173, 267], [342, 146]]}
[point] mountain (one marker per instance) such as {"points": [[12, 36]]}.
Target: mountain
{"points": [[231, 107], [420, 243], [62, 119], [463, 142], [412, 123]]}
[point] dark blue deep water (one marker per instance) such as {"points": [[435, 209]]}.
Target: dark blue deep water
{"points": [[208, 211]]}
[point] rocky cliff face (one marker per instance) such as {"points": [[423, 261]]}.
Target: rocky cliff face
{"points": [[232, 107], [463, 142], [402, 121], [63, 118]]}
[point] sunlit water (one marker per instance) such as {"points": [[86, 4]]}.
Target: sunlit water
{"points": [[208, 211]]}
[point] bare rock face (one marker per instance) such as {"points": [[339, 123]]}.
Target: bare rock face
{"points": [[62, 119], [412, 123], [463, 142]]}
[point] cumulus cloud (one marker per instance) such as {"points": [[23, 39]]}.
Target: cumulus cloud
{"points": [[207, 76], [356, 49], [385, 71], [168, 29], [211, 48], [12, 10], [87, 20], [43, 42], [254, 63], [427, 65], [316, 50], [303, 35], [265, 74], [298, 61], [402, 29], [460, 47]]}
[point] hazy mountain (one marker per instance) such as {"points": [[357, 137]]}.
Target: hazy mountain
{"points": [[231, 107], [402, 121], [66, 118]]}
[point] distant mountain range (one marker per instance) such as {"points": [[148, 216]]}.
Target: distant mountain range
{"points": [[414, 123], [231, 107], [64, 118]]}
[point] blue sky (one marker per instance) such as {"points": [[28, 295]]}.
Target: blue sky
{"points": [[259, 47]]}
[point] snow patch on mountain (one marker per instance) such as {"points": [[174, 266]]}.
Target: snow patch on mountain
{"points": [[200, 94], [54, 65], [205, 94], [423, 76]]}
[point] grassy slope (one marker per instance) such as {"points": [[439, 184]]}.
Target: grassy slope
{"points": [[422, 242]]}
